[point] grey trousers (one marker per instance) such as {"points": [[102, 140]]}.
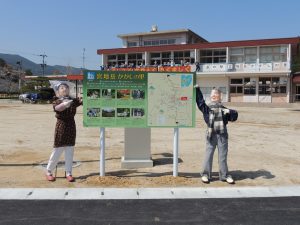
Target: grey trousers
{"points": [[220, 141]]}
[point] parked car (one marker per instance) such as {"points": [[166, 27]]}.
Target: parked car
{"points": [[25, 98], [45, 94]]}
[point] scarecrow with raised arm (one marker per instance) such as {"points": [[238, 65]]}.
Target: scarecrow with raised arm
{"points": [[65, 130]]}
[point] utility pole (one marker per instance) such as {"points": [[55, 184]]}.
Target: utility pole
{"points": [[20, 73], [43, 65], [83, 58]]}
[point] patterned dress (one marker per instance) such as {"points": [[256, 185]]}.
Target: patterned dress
{"points": [[65, 129]]}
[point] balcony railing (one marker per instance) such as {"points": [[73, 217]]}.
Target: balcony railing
{"points": [[244, 67]]}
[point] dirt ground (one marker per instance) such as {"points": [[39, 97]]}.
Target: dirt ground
{"points": [[264, 149]]}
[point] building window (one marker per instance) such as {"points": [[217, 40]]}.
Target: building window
{"points": [[243, 55], [163, 42], [131, 44], [245, 86], [213, 56], [166, 58], [236, 86], [155, 42], [249, 86], [159, 42], [274, 85], [171, 41], [147, 43], [155, 58], [236, 55], [182, 57], [112, 57], [264, 86], [116, 60], [250, 55], [272, 54], [278, 85], [136, 59]]}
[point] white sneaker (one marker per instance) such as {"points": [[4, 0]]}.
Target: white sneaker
{"points": [[229, 180], [205, 179]]}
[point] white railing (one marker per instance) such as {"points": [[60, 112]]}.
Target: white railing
{"points": [[244, 67], [218, 67]]}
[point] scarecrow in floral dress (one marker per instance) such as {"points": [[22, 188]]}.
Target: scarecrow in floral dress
{"points": [[65, 130]]}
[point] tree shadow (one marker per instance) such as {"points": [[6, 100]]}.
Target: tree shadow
{"points": [[44, 164], [12, 164], [84, 177], [119, 173], [242, 175], [238, 175]]}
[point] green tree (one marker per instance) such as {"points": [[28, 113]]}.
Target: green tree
{"points": [[296, 64], [28, 72], [2, 63], [56, 72]]}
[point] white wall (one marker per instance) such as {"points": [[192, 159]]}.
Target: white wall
{"points": [[180, 38], [265, 98], [250, 98]]}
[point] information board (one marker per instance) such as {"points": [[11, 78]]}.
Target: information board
{"points": [[138, 99]]}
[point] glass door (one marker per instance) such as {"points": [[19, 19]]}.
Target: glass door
{"points": [[297, 97]]}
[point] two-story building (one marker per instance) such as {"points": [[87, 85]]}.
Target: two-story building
{"points": [[245, 71]]}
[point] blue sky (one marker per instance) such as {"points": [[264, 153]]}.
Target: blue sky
{"points": [[62, 28]]}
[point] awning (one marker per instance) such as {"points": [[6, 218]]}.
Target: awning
{"points": [[296, 79], [75, 77]]}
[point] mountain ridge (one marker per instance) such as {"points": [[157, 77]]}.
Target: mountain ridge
{"points": [[36, 69]]}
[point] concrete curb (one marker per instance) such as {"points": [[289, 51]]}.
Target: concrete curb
{"points": [[145, 193]]}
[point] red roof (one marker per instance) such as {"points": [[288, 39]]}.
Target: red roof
{"points": [[260, 42], [296, 79], [75, 77]]}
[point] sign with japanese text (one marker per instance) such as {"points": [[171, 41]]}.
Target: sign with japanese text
{"points": [[138, 99]]}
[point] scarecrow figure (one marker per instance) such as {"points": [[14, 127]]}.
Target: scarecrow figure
{"points": [[216, 116], [65, 130]]}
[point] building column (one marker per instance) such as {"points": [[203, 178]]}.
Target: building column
{"points": [[126, 58], [147, 59], [228, 89], [288, 57], [257, 58], [257, 88], [289, 88], [196, 55], [227, 55], [104, 59]]}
